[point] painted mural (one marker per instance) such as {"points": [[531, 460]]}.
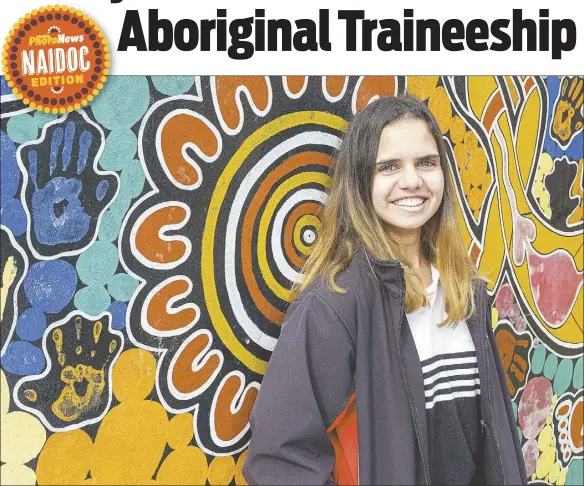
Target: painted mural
{"points": [[150, 239]]}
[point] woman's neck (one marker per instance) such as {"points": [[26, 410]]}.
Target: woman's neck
{"points": [[410, 243]]}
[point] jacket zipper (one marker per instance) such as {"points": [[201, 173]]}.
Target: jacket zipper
{"points": [[425, 464], [483, 351]]}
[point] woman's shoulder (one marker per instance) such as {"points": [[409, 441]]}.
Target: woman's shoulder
{"points": [[352, 280], [480, 289]]}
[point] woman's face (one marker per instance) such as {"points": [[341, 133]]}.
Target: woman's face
{"points": [[408, 183]]}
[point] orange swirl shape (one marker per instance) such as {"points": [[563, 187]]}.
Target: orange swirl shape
{"points": [[295, 84], [374, 86], [226, 87], [184, 377], [148, 241], [229, 425], [299, 160], [157, 315], [179, 130], [334, 85]]}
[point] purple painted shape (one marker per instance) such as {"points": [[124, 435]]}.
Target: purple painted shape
{"points": [[535, 406], [530, 456]]}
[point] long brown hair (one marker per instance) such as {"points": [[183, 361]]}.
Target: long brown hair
{"points": [[349, 221]]}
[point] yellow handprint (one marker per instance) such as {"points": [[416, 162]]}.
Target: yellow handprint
{"points": [[70, 404], [568, 118], [75, 390]]}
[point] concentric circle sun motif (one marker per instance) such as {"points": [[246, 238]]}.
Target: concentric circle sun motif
{"points": [[255, 222]]}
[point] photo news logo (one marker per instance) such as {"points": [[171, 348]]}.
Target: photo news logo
{"points": [[56, 59]]}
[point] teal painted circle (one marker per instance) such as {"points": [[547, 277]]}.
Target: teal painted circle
{"points": [[578, 380], [22, 128], [173, 85], [563, 376], [122, 286], [575, 473], [519, 433], [515, 410], [120, 148], [550, 366], [122, 101], [538, 359], [109, 229], [111, 221], [92, 300], [98, 263], [41, 118], [132, 180]]}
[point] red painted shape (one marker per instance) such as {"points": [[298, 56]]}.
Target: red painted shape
{"points": [[555, 283], [534, 406]]}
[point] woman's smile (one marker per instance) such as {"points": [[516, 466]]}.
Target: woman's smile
{"points": [[411, 204]]}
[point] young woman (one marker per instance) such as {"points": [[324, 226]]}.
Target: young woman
{"points": [[386, 370]]}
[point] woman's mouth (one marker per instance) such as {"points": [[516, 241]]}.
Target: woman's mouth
{"points": [[410, 204]]}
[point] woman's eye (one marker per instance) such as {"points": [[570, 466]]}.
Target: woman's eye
{"points": [[427, 163], [387, 168]]}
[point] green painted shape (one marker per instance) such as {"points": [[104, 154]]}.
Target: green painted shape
{"points": [[122, 101], [122, 286], [538, 359], [173, 85], [22, 128], [550, 367], [563, 376], [120, 148], [93, 300], [98, 263]]}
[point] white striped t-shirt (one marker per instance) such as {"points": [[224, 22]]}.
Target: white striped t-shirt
{"points": [[451, 389]]}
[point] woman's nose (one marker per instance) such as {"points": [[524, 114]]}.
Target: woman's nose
{"points": [[409, 178]]}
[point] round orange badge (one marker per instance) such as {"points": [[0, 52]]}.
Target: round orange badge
{"points": [[56, 59]]}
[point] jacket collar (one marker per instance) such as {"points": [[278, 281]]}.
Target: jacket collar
{"points": [[388, 272]]}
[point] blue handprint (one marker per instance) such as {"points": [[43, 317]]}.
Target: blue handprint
{"points": [[66, 195]]}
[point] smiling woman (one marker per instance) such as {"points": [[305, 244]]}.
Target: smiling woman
{"points": [[391, 311], [408, 184]]}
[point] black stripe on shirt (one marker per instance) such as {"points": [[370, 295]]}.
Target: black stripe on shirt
{"points": [[449, 391], [438, 357], [449, 367]]}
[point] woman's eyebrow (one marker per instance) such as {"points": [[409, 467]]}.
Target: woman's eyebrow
{"points": [[387, 161], [429, 156], [393, 161]]}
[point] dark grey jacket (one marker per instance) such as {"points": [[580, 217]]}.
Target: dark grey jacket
{"points": [[337, 346]]}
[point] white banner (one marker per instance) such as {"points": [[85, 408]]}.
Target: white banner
{"points": [[371, 37]]}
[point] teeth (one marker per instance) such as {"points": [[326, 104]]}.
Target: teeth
{"points": [[410, 202]]}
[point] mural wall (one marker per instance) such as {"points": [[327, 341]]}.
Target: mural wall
{"points": [[149, 242]]}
